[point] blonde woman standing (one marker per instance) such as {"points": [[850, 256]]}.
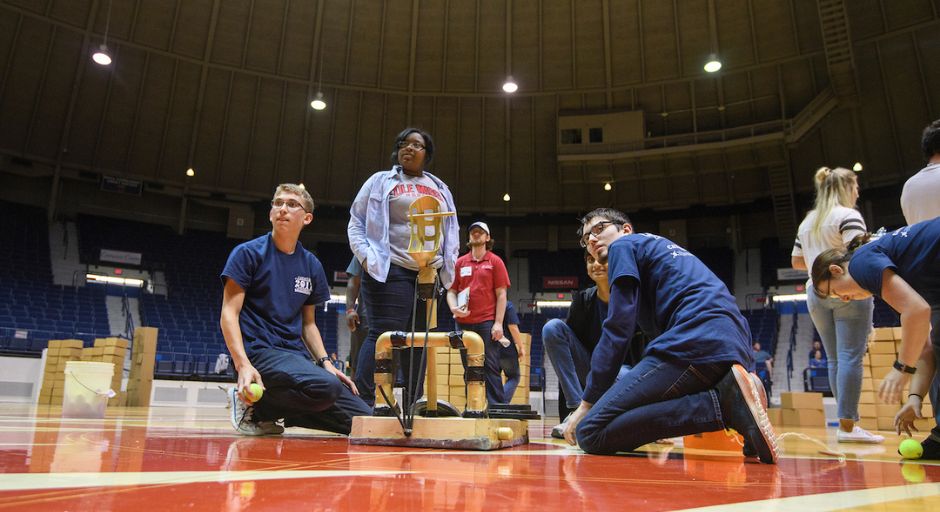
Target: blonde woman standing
{"points": [[843, 326]]}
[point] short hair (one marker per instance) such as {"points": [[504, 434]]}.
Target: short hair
{"points": [[294, 188], [615, 216], [428, 145], [930, 141]]}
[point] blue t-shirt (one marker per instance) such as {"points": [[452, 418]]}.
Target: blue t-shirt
{"points": [[277, 286], [912, 252], [684, 309]]}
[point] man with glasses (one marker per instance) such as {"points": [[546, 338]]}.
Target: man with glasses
{"points": [[477, 298], [691, 377], [272, 285]]}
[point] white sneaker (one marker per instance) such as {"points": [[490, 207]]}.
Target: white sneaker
{"points": [[241, 418], [558, 431], [858, 435]]}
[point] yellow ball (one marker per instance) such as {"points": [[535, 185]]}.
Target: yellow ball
{"points": [[253, 393], [910, 449]]}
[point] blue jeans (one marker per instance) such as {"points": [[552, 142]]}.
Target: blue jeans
{"points": [[844, 328], [491, 370], [303, 394], [569, 357], [655, 399], [390, 306]]}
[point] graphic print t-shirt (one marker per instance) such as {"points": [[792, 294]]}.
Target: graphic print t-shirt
{"points": [[277, 286], [400, 199]]}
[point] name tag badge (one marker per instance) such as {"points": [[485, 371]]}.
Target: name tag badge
{"points": [[466, 271]]}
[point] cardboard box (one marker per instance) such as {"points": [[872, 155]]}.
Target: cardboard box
{"points": [[867, 410], [868, 423], [879, 372], [883, 360], [803, 417], [882, 334], [881, 347], [796, 400], [867, 397], [775, 415]]}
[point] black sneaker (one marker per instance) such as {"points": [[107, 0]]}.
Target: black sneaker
{"points": [[742, 410], [931, 449]]}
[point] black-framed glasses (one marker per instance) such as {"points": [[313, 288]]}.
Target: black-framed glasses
{"points": [[417, 146], [595, 230], [291, 204]]}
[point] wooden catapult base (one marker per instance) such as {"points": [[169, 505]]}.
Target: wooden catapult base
{"points": [[450, 433]]}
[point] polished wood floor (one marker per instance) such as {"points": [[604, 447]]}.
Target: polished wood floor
{"points": [[171, 459]]}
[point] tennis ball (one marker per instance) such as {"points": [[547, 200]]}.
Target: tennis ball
{"points": [[910, 449], [253, 393]]}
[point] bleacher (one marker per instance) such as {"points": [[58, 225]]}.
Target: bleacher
{"points": [[187, 315], [32, 309], [764, 324]]}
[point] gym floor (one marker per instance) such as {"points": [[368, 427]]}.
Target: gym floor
{"points": [[186, 458]]}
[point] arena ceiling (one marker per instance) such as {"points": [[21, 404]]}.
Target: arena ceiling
{"points": [[223, 86]]}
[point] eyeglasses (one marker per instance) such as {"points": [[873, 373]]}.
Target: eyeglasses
{"points": [[291, 204], [595, 230], [417, 146]]}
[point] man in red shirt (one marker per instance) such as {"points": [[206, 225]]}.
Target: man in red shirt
{"points": [[477, 298]]}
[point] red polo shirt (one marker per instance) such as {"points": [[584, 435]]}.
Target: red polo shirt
{"points": [[483, 277]]}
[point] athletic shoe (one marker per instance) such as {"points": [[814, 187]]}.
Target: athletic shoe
{"points": [[858, 435], [749, 450], [741, 409], [558, 431], [931, 449], [240, 414]]}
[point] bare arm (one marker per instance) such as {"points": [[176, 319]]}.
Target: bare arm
{"points": [[920, 384], [311, 337], [517, 338], [452, 303], [233, 297], [798, 262], [352, 295], [497, 331], [915, 327]]}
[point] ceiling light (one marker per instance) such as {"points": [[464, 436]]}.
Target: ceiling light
{"points": [[318, 103], [713, 64], [101, 56], [857, 167], [302, 187], [510, 86], [190, 172], [607, 186], [506, 197]]}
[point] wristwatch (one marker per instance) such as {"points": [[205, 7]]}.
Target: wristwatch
{"points": [[322, 361], [901, 367]]}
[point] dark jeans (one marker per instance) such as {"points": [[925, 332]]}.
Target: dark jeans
{"points": [[655, 399], [390, 306], [509, 364], [491, 370], [303, 394], [935, 384]]}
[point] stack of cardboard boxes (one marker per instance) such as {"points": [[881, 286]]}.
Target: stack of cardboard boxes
{"points": [[799, 410], [143, 358], [53, 378], [104, 350], [110, 350], [877, 364], [450, 377], [521, 396]]}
